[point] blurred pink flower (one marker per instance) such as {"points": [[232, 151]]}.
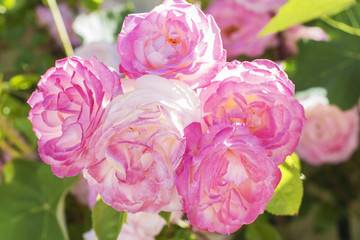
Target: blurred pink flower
{"points": [[45, 19], [297, 32], [175, 40], [240, 28], [67, 108], [136, 151], [227, 179], [262, 5], [257, 94], [330, 135], [138, 226]]}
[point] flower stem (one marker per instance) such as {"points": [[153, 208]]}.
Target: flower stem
{"points": [[15, 139], [64, 37]]}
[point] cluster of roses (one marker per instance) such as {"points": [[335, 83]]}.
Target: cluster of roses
{"points": [[185, 130]]}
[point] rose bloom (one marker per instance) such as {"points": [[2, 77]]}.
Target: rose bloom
{"points": [[227, 178], [330, 135], [138, 226], [67, 108], [136, 151], [240, 28], [257, 94], [257, 72], [262, 5], [175, 40]]}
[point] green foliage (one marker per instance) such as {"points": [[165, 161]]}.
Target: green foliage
{"points": [[32, 202], [289, 192], [24, 126], [101, 26], [261, 229], [78, 217], [300, 11], [92, 4], [10, 5], [183, 234], [12, 106], [333, 65], [24, 81], [107, 222], [325, 217], [26, 50], [347, 21], [166, 216]]}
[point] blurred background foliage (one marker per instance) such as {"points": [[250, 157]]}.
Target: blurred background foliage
{"points": [[34, 204]]}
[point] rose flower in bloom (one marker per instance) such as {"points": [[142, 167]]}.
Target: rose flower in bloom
{"points": [[67, 108], [330, 135], [260, 95], [136, 151], [227, 178], [175, 40]]}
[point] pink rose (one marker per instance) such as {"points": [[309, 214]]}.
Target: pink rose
{"points": [[67, 108], [227, 179], [240, 28], [258, 71], [175, 40], [262, 5], [141, 143], [138, 226], [258, 95], [330, 135]]}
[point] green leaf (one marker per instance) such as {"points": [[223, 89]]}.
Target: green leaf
{"points": [[347, 21], [289, 192], [92, 4], [107, 222], [166, 216], [332, 65], [100, 25], [32, 202], [24, 81], [301, 11], [261, 230]]}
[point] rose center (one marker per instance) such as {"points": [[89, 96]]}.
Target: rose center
{"points": [[230, 30], [173, 41]]}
